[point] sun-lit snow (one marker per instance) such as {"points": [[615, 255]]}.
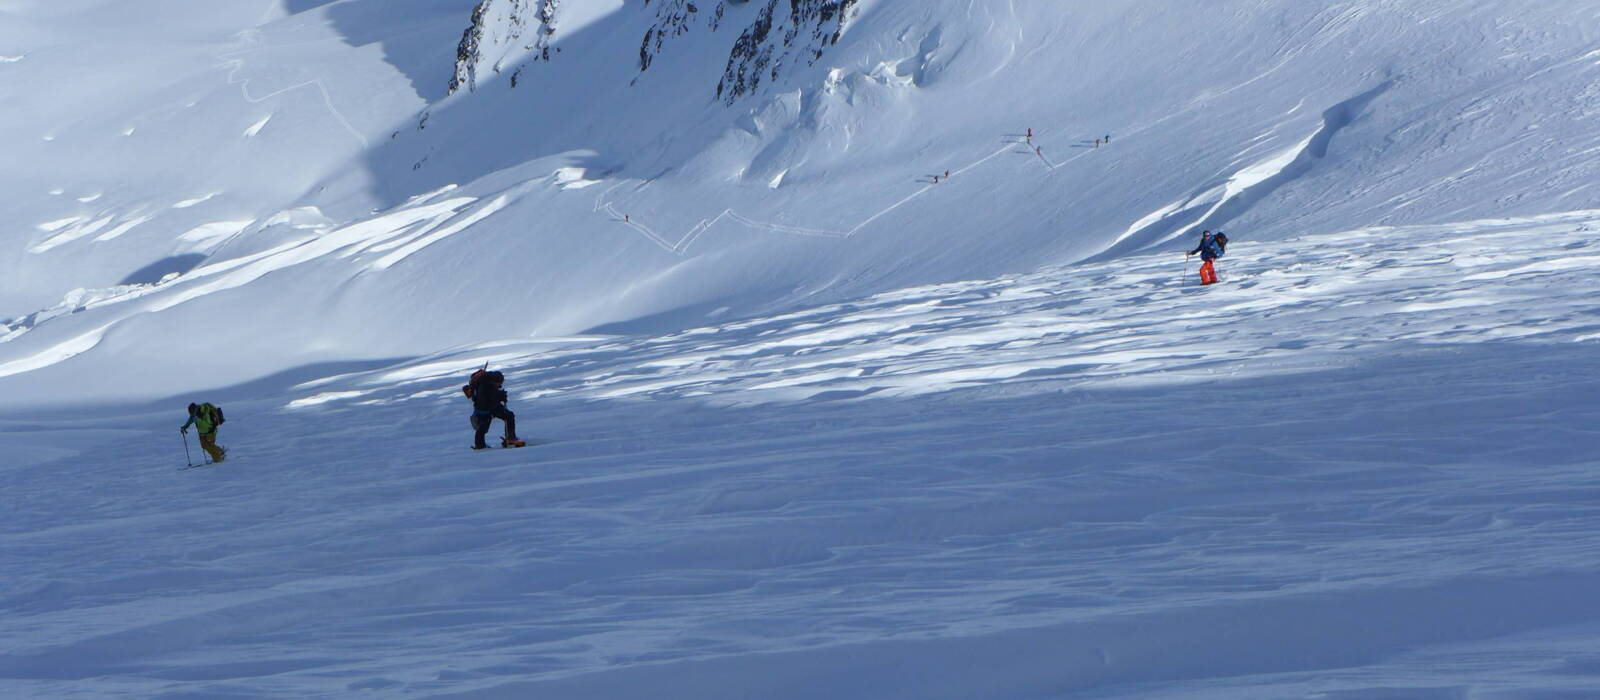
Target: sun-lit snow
{"points": [[1359, 467], [818, 187], [856, 349]]}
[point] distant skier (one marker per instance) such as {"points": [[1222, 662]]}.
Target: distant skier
{"points": [[1212, 246], [205, 418], [488, 403]]}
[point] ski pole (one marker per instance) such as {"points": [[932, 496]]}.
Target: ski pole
{"points": [[186, 458]]}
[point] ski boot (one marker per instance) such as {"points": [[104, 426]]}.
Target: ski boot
{"points": [[512, 442]]}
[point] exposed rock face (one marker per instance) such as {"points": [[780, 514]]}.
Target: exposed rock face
{"points": [[773, 43], [784, 33], [502, 33]]}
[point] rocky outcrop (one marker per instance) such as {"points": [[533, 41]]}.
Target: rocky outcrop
{"points": [[772, 43], [783, 34], [504, 33]]}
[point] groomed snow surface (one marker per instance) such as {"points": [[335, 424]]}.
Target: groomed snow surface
{"points": [[1361, 468]]}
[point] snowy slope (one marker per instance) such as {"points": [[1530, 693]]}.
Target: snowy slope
{"points": [[1363, 467], [148, 133], [805, 422], [333, 194]]}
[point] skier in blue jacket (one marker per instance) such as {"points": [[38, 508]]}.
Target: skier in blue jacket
{"points": [[1212, 246]]}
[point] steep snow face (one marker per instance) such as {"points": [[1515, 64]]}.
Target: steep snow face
{"points": [[146, 134], [665, 161]]}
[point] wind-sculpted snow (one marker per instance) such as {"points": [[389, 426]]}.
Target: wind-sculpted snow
{"points": [[1140, 323], [871, 146], [1362, 466], [160, 117]]}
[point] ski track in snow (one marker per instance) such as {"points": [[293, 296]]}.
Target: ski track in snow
{"points": [[235, 65], [1238, 185], [681, 246], [398, 233], [411, 236], [1361, 467]]}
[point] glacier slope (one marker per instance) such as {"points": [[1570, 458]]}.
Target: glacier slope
{"points": [[1361, 467]]}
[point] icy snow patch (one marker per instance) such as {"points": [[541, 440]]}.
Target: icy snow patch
{"points": [[257, 127], [60, 352], [185, 204], [573, 178], [465, 222], [71, 234], [323, 398], [122, 228], [58, 224], [214, 230]]}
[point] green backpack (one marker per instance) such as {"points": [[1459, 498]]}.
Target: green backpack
{"points": [[212, 414]]}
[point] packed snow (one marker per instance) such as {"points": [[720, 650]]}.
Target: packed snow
{"points": [[854, 343], [1362, 466]]}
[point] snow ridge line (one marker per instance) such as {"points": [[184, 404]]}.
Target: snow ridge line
{"points": [[681, 248]]}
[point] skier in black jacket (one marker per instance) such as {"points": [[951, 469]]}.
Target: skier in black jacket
{"points": [[488, 403]]}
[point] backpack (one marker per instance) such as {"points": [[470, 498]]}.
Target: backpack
{"points": [[472, 382], [213, 414]]}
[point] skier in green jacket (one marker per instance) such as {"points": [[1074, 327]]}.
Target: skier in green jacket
{"points": [[205, 418]]}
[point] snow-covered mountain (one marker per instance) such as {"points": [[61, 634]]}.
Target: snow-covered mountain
{"points": [[619, 162], [853, 338]]}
